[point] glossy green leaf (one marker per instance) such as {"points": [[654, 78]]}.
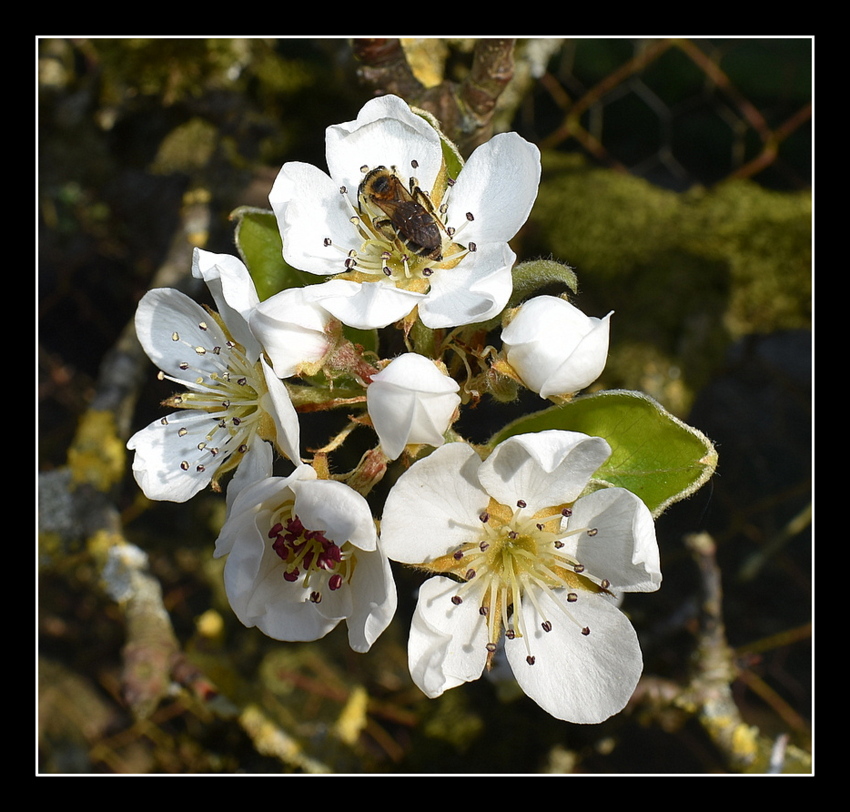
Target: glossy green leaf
{"points": [[260, 248], [654, 455]]}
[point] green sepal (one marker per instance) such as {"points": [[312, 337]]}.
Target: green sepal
{"points": [[536, 274], [654, 454], [261, 249], [367, 339]]}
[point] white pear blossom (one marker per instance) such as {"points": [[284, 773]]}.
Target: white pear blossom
{"points": [[302, 555], [530, 558], [295, 332], [554, 348], [445, 251], [411, 401], [234, 402]]}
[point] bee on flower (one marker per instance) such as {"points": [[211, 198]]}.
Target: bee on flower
{"points": [[394, 232]]}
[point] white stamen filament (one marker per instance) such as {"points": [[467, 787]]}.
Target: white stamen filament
{"points": [[229, 397]]}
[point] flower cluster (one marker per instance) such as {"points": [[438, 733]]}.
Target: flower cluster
{"points": [[528, 553]]}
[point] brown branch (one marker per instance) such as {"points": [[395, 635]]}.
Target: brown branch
{"points": [[384, 66], [714, 672], [465, 110], [77, 501]]}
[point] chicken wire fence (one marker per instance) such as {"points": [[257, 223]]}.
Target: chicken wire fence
{"points": [[680, 112]]}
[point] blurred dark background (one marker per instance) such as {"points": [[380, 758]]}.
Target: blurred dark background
{"points": [[676, 181]]}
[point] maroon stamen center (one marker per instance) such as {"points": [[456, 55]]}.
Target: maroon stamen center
{"points": [[303, 548]]}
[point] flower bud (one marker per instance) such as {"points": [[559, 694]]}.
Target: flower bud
{"points": [[411, 401], [554, 348]]}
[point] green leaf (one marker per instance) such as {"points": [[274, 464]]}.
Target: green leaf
{"points": [[260, 247], [654, 455]]}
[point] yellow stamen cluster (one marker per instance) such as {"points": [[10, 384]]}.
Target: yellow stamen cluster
{"points": [[516, 556]]}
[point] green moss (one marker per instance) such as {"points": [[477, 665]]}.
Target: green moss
{"points": [[187, 148], [764, 239]]}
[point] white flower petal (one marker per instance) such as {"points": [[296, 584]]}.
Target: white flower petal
{"points": [[447, 644], [435, 505], [364, 306], [338, 511], [374, 601], [544, 469], [164, 463], [498, 186], [277, 403], [575, 677], [168, 327], [233, 291], [623, 549], [246, 502], [386, 133], [256, 465], [476, 290], [292, 330], [310, 209]]}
